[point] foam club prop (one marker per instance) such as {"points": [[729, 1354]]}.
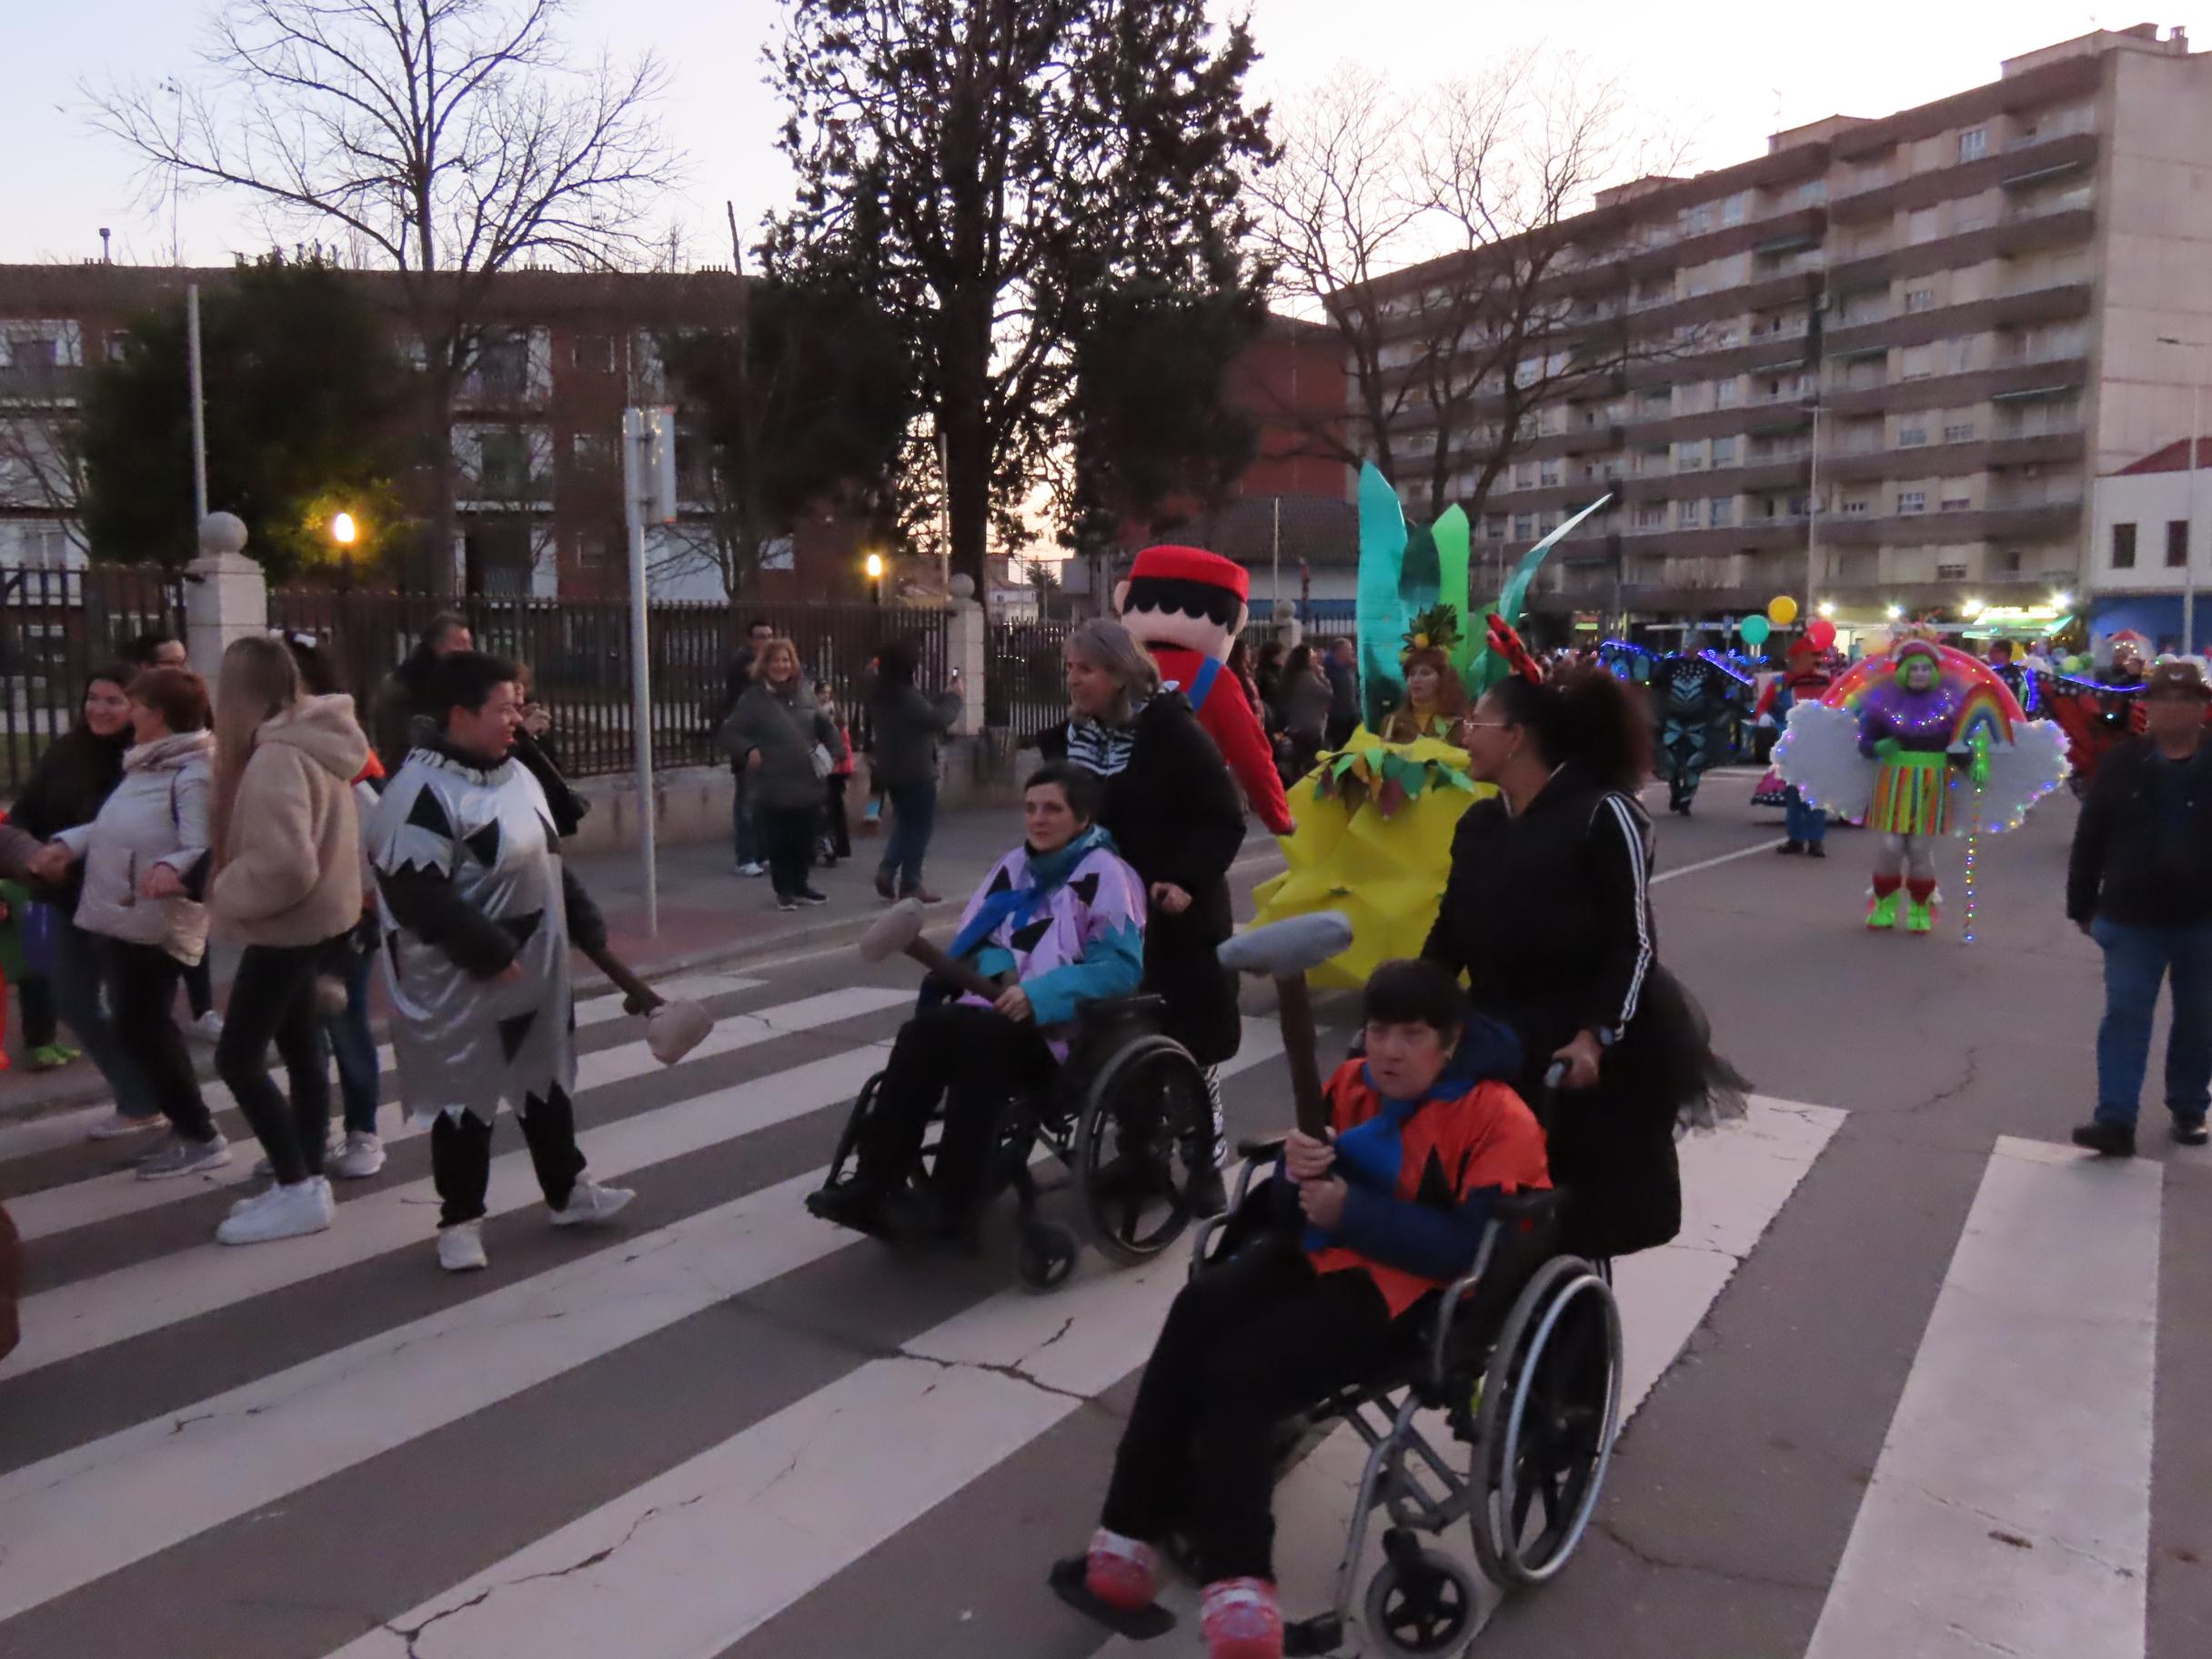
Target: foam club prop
{"points": [[1283, 951], [672, 1030], [898, 931]]}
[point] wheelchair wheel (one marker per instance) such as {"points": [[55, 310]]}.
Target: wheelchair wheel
{"points": [[1543, 1437], [862, 1105], [1144, 1107], [1419, 1603], [1046, 1256]]}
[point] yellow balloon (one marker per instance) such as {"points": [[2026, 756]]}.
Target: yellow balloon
{"points": [[1783, 611]]}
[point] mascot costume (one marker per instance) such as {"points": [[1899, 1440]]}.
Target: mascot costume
{"points": [[1921, 741], [1377, 818], [1691, 694], [1187, 607]]}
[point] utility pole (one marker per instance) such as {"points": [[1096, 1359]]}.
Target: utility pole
{"points": [[649, 486], [2189, 549], [199, 404]]}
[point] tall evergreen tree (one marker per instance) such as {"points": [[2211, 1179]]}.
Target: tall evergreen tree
{"points": [[988, 170]]}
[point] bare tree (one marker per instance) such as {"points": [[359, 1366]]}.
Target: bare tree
{"points": [[452, 139], [42, 468], [1435, 234]]}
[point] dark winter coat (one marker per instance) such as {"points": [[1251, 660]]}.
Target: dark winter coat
{"points": [[71, 782], [2143, 846], [1549, 916], [907, 726], [1172, 811]]}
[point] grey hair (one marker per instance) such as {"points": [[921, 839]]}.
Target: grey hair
{"points": [[1112, 649]]}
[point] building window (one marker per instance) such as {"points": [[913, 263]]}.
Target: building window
{"points": [[1960, 434], [1651, 516], [594, 353], [1855, 509], [1690, 457], [2123, 547], [1950, 573], [591, 549], [1919, 363], [1958, 504], [1974, 143], [502, 366], [1548, 473], [1913, 501], [1911, 437], [2177, 543], [504, 466], [1732, 209], [1525, 526], [1721, 511], [1688, 513], [1924, 227], [1919, 299], [1493, 527], [1726, 393], [1724, 452], [1812, 192], [594, 449]]}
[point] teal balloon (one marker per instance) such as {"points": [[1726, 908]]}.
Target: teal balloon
{"points": [[1754, 629]]}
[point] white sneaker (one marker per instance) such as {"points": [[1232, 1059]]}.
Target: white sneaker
{"points": [[363, 1157], [754, 868], [207, 1028], [592, 1203], [283, 1212], [252, 1199], [264, 1168], [115, 1126], [460, 1247]]}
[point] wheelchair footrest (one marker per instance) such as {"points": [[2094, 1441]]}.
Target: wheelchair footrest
{"points": [[1311, 1638], [1067, 1581]]}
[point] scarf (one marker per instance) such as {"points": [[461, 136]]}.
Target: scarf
{"points": [[1046, 872], [1100, 748]]}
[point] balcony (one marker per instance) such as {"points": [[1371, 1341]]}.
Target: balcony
{"points": [[41, 383]]}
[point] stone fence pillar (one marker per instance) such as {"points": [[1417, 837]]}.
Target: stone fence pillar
{"points": [[964, 650], [227, 595]]}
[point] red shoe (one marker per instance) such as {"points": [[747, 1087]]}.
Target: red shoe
{"points": [[1242, 1619], [1120, 1571]]}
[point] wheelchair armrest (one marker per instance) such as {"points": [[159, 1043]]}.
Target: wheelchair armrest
{"points": [[1262, 1150], [1536, 1204], [1455, 1298]]}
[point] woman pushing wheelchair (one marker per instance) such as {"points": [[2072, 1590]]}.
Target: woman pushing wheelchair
{"points": [[1345, 1252], [1057, 924]]}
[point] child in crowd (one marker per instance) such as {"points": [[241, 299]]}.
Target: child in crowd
{"points": [[837, 834]]}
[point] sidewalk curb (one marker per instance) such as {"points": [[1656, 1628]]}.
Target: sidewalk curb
{"points": [[800, 944]]}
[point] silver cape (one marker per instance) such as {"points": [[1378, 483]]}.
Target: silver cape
{"points": [[462, 1042]]}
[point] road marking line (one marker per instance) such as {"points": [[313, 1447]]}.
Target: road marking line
{"points": [[1713, 863], [96, 1508], [118, 1193], [2010, 1508], [67, 1128]]}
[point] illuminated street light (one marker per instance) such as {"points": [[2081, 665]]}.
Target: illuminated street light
{"points": [[342, 530], [1828, 608], [875, 578], [1894, 612]]}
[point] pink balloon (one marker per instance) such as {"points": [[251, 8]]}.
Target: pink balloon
{"points": [[1820, 633]]}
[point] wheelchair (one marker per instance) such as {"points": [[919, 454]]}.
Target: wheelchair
{"points": [[1117, 1115], [1522, 1360]]}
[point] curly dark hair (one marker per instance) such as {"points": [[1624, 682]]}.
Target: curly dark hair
{"points": [[1583, 715]]}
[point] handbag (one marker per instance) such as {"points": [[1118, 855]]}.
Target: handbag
{"points": [[823, 763]]}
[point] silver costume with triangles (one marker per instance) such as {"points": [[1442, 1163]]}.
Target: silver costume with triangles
{"points": [[464, 1042]]}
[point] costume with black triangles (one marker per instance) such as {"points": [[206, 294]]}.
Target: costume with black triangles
{"points": [[470, 883]]}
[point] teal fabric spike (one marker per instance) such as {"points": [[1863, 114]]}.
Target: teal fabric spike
{"points": [[1453, 534], [1418, 576], [1382, 615], [1490, 668]]}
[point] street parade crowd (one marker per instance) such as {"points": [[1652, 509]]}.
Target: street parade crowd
{"points": [[1462, 823]]}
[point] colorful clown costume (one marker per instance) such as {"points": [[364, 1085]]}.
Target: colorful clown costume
{"points": [[1919, 742]]}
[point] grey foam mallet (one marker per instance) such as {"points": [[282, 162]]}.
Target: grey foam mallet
{"points": [[898, 933], [1285, 951]]}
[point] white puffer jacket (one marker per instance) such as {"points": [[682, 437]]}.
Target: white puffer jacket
{"points": [[157, 815]]}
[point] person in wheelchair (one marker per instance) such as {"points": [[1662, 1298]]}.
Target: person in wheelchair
{"points": [[1059, 922], [1347, 1248]]}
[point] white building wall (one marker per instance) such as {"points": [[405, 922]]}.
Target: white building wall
{"points": [[2149, 501]]}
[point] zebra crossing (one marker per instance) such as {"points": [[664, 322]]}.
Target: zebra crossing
{"points": [[728, 1428]]}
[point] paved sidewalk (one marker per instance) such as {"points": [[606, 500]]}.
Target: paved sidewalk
{"points": [[708, 914]]}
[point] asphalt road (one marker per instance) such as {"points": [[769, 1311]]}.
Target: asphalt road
{"points": [[1916, 1379]]}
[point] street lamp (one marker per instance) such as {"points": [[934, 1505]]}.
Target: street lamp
{"points": [[2189, 550], [875, 578], [1896, 613], [345, 533]]}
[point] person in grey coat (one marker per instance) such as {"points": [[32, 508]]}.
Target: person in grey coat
{"points": [[903, 764], [783, 742]]}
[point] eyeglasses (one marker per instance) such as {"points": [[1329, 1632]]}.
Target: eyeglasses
{"points": [[1487, 725]]}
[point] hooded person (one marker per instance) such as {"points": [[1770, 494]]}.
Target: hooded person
{"points": [[1186, 607], [479, 915]]}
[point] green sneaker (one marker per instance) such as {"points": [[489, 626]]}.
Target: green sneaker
{"points": [[1883, 911], [53, 1055], [1920, 918]]}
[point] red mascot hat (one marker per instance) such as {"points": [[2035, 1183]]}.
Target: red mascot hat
{"points": [[1173, 564]]}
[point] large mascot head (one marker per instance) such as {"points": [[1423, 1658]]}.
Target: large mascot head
{"points": [[1184, 596]]}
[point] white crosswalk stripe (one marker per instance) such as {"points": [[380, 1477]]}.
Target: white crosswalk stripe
{"points": [[702, 1551]]}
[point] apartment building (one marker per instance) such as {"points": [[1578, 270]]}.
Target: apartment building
{"points": [[536, 430], [1882, 361]]}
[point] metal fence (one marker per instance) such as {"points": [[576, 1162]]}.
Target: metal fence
{"points": [[58, 627], [577, 652], [1025, 688]]}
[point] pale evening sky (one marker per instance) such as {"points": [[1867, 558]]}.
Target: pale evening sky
{"points": [[1731, 70]]}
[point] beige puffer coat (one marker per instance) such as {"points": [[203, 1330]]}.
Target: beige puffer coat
{"points": [[290, 873]]}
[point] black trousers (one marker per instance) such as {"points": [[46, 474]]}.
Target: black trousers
{"points": [[974, 1059], [460, 1156], [142, 995], [272, 1000], [787, 837], [37, 993], [836, 831], [1246, 1344]]}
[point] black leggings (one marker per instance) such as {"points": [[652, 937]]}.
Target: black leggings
{"points": [[787, 837], [142, 996], [974, 1059], [460, 1156], [272, 1000], [1246, 1344]]}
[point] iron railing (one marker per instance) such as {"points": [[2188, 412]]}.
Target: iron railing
{"points": [[58, 627], [578, 653]]}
